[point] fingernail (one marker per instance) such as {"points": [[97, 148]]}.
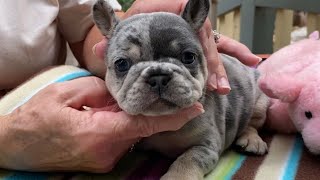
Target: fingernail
{"points": [[94, 49], [196, 111], [223, 84], [259, 58], [212, 82], [201, 111]]}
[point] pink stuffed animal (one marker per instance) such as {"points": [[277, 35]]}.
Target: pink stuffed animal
{"points": [[291, 78]]}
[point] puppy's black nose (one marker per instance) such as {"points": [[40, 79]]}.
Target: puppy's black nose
{"points": [[158, 82]]}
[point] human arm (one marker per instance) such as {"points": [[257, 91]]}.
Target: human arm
{"points": [[52, 132], [76, 27]]}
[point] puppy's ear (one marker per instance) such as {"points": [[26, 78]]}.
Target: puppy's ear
{"points": [[104, 17], [196, 12]]}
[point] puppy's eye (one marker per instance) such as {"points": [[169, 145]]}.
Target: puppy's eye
{"points": [[122, 65], [188, 57], [308, 114]]}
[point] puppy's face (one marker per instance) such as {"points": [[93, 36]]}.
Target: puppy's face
{"points": [[155, 63]]}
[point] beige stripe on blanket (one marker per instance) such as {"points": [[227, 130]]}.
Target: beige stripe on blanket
{"points": [[275, 162]]}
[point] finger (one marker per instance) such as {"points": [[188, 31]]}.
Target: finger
{"points": [[141, 6], [218, 71], [86, 91], [236, 49], [147, 126], [223, 86], [127, 127], [100, 48], [217, 77], [211, 54], [112, 107]]}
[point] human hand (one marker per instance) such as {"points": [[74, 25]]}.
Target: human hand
{"points": [[52, 131], [217, 79]]}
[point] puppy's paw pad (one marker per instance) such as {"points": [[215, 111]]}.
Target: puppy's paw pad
{"points": [[252, 144]]}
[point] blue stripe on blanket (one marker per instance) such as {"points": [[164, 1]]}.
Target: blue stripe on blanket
{"points": [[294, 158], [27, 176], [74, 75]]}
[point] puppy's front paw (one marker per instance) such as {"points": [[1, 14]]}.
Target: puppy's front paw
{"points": [[252, 143]]}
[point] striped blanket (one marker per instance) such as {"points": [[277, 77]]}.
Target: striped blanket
{"points": [[287, 158]]}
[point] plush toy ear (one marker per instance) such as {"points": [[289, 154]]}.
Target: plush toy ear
{"points": [[104, 17], [314, 35], [196, 12], [281, 87]]}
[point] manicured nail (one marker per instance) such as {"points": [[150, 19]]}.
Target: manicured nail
{"points": [[94, 49], [212, 82], [223, 84]]}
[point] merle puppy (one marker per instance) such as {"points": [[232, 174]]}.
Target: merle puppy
{"points": [[156, 66]]}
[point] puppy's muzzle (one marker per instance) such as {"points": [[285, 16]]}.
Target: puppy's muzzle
{"points": [[158, 82]]}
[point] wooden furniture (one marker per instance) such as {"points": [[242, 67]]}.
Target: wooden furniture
{"points": [[264, 25]]}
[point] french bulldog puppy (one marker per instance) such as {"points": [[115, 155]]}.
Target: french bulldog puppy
{"points": [[156, 66]]}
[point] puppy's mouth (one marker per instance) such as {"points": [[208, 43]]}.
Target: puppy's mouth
{"points": [[165, 102], [161, 106]]}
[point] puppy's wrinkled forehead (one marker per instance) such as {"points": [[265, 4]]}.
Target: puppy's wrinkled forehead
{"points": [[151, 36]]}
